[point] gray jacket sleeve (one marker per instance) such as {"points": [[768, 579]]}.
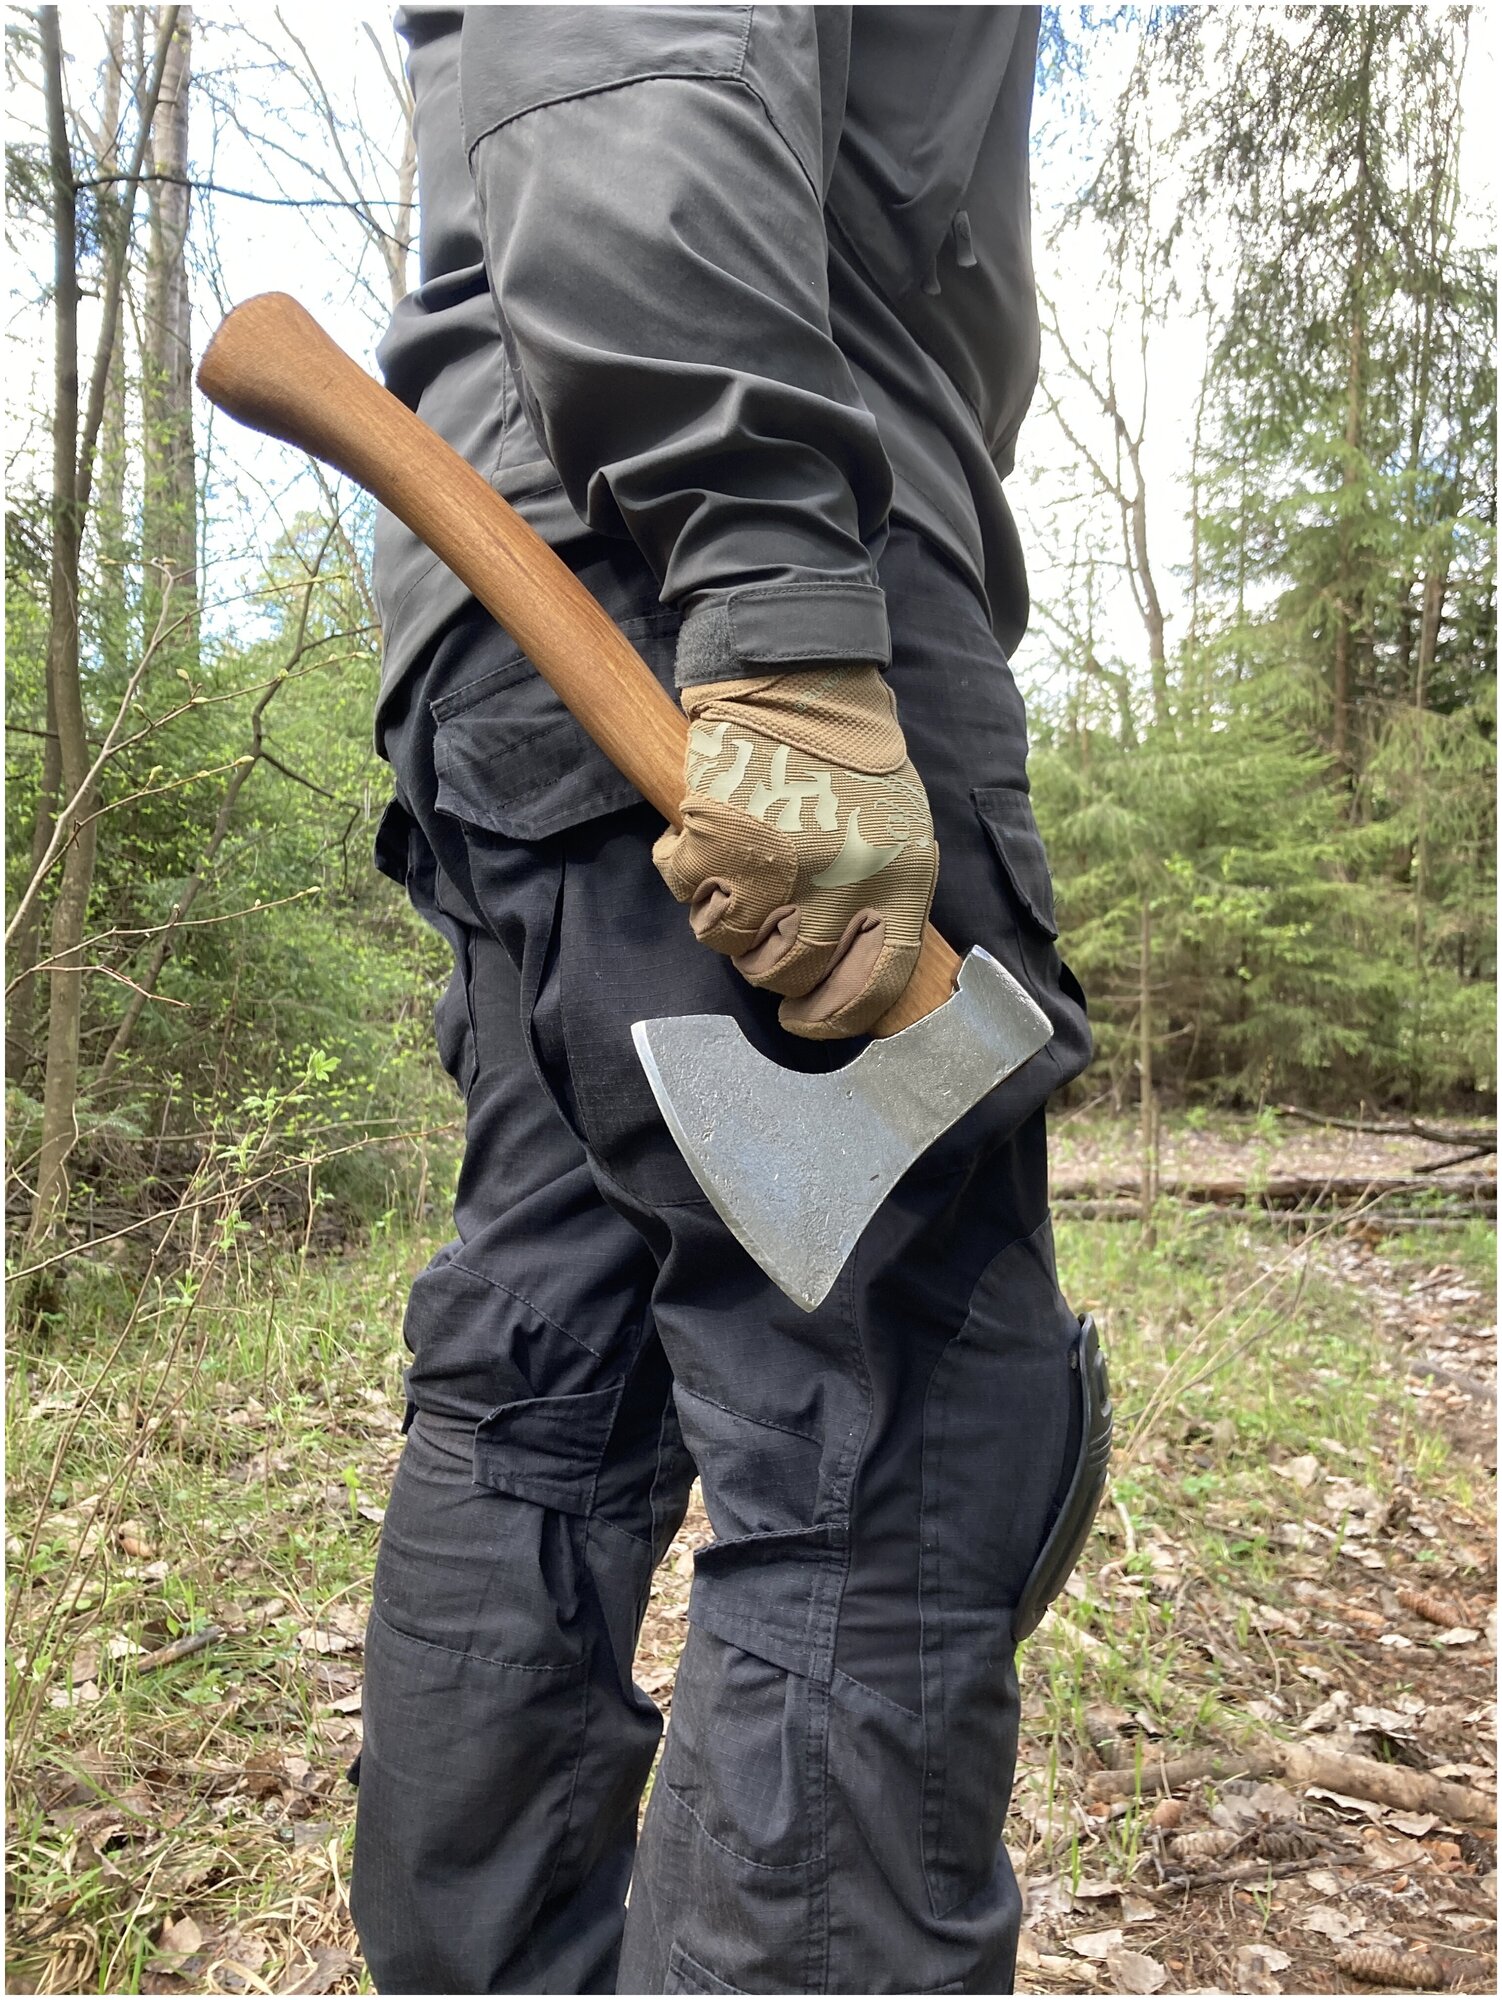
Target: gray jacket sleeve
{"points": [[650, 183]]}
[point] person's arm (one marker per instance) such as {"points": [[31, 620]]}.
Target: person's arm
{"points": [[650, 182]]}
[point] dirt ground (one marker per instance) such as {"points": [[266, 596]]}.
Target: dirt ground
{"points": [[1090, 1151], [1373, 1640], [1288, 1601]]}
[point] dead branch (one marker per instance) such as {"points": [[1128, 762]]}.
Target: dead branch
{"points": [[1452, 1378], [1304, 1764], [180, 1649], [1291, 1190], [1377, 1218], [1409, 1129]]}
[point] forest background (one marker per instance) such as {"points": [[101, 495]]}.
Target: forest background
{"points": [[1258, 495], [1257, 490]]}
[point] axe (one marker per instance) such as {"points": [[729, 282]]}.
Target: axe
{"points": [[795, 1164]]}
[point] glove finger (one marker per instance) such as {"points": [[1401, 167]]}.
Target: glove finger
{"points": [[864, 977], [665, 851], [729, 906], [782, 960], [777, 937]]}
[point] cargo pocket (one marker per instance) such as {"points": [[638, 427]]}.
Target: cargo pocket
{"points": [[1007, 816], [1070, 1531], [547, 1449], [402, 855], [511, 759], [686, 1975], [739, 1753], [1001, 1439]]}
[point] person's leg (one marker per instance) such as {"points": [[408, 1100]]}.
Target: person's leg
{"points": [[505, 1748], [881, 1474]]}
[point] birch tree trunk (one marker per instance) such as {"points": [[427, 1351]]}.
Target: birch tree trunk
{"points": [[169, 515], [64, 690]]}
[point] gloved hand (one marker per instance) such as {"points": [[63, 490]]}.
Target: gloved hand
{"points": [[807, 851]]}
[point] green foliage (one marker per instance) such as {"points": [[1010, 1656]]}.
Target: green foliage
{"points": [[294, 949], [1309, 819]]}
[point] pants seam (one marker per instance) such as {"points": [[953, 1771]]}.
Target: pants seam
{"points": [[745, 1416], [573, 1787], [521, 1299], [819, 1930]]}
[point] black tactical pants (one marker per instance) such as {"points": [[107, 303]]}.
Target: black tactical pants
{"points": [[880, 1475]]}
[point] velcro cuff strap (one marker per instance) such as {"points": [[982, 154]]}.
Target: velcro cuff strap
{"points": [[727, 636]]}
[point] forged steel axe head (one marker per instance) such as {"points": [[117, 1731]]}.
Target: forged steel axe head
{"points": [[797, 1165]]}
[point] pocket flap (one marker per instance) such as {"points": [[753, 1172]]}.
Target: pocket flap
{"points": [[547, 1449], [1007, 816], [510, 757]]}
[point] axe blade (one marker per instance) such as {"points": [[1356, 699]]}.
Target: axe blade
{"points": [[796, 1165]]}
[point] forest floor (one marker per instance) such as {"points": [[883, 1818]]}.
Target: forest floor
{"points": [[1293, 1581]]}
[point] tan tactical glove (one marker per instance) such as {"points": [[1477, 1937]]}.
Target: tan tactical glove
{"points": [[807, 852]]}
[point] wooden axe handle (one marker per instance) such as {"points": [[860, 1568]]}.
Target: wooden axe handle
{"points": [[274, 368]]}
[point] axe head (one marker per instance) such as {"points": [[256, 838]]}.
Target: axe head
{"points": [[797, 1165]]}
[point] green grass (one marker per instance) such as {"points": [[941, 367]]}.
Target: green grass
{"points": [[240, 1425], [1234, 1350], [242, 1437]]}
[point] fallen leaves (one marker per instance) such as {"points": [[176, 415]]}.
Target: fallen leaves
{"points": [[1135, 1972], [192, 1960], [340, 1629], [1256, 1968], [1097, 1944]]}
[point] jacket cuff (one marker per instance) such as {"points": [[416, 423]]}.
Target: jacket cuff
{"points": [[730, 635]]}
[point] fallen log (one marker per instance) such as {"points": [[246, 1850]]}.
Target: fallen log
{"points": [[1452, 1378], [1303, 1764], [1288, 1190], [1384, 1784], [1370, 1218]]}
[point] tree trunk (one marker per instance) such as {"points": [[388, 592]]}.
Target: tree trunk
{"points": [[1436, 583], [169, 524], [72, 468], [1195, 689], [1349, 614], [1148, 1107], [110, 523], [25, 945], [1345, 611], [1153, 620], [64, 691]]}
